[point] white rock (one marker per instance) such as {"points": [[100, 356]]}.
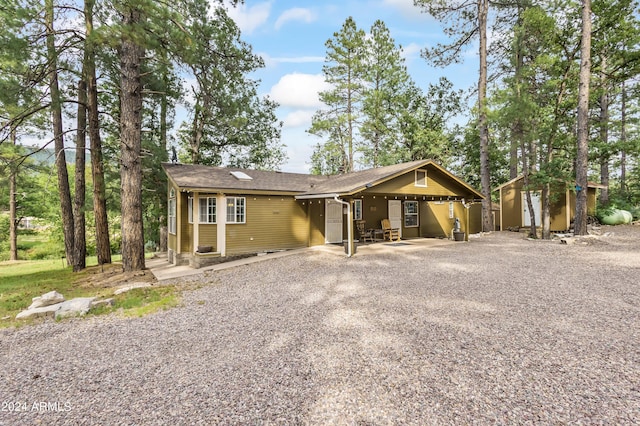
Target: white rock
{"points": [[47, 299], [102, 302], [69, 308], [131, 287], [44, 311], [74, 307]]}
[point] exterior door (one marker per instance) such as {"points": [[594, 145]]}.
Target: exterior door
{"points": [[537, 211], [333, 221], [395, 214]]}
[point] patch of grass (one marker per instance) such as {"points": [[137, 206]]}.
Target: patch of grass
{"points": [[147, 301], [21, 281]]}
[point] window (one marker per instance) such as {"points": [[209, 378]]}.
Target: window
{"points": [[357, 209], [410, 214], [207, 210], [421, 178], [450, 209], [172, 215], [235, 210], [190, 209]]}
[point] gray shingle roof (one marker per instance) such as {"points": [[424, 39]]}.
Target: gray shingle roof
{"points": [[192, 176], [208, 178]]}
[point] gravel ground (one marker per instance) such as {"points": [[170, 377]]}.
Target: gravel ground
{"points": [[499, 330]]}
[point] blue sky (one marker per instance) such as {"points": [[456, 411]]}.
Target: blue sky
{"points": [[290, 35]]}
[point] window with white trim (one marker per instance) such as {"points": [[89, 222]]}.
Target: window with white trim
{"points": [[410, 214], [172, 212], [450, 209], [236, 209], [207, 210], [190, 209], [421, 178], [357, 209]]}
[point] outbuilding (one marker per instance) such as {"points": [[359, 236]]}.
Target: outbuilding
{"points": [[514, 211]]}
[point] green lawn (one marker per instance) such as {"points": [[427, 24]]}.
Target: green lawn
{"points": [[23, 280]]}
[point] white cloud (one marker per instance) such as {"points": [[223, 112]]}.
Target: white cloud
{"points": [[248, 18], [295, 14], [406, 7], [275, 60], [299, 118], [412, 50], [299, 90]]}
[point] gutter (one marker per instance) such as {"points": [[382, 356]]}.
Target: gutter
{"points": [[317, 196]]}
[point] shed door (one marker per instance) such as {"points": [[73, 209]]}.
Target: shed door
{"points": [[333, 221], [395, 214], [535, 200]]}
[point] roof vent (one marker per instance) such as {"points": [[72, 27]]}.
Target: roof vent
{"points": [[241, 176]]}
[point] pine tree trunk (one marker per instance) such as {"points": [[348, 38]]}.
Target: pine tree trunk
{"points": [[66, 208], [580, 223], [604, 135], [162, 199], [483, 126], [103, 245], [131, 139], [13, 215], [623, 141], [80, 241]]}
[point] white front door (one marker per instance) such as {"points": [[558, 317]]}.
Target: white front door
{"points": [[535, 200], [395, 214], [333, 221]]}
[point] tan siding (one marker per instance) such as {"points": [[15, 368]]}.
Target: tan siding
{"points": [[435, 221], [475, 218], [272, 223], [438, 185], [373, 211], [511, 205], [186, 229], [208, 235], [316, 222], [558, 214], [172, 241], [591, 201]]}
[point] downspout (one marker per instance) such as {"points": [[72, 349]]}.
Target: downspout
{"points": [[349, 225], [466, 219]]}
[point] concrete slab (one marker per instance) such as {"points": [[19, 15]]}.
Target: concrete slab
{"points": [[164, 271]]}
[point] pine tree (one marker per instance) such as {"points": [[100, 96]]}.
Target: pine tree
{"points": [[344, 69]]}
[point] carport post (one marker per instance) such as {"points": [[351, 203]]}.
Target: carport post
{"points": [[349, 225]]}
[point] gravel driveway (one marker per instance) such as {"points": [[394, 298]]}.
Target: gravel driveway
{"points": [[499, 330]]}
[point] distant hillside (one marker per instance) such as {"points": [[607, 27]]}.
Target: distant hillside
{"points": [[46, 156]]}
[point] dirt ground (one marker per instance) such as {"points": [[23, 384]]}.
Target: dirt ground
{"points": [[107, 276]]}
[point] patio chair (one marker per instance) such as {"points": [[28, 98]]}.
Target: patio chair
{"points": [[389, 232], [365, 234]]}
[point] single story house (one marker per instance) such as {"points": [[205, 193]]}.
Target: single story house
{"points": [[217, 211], [514, 212]]}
